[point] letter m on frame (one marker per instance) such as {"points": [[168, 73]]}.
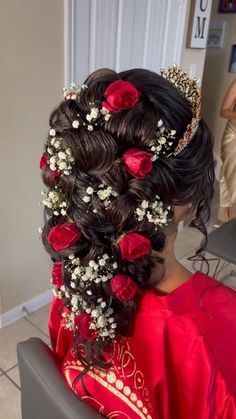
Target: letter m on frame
{"points": [[200, 23]]}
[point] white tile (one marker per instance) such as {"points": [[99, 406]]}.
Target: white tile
{"points": [[9, 399], [228, 276], [14, 375], [40, 318], [230, 282], [10, 336]]}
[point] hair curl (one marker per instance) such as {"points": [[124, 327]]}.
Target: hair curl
{"points": [[178, 180]]}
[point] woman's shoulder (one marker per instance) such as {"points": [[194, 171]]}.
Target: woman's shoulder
{"points": [[216, 322], [215, 296], [202, 304], [199, 292], [199, 314]]}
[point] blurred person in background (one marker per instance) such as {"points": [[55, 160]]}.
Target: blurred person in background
{"points": [[227, 208]]}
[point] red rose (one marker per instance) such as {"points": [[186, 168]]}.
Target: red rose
{"points": [[138, 163], [63, 236], [134, 246], [120, 95], [83, 322], [57, 276], [43, 161], [55, 174], [123, 287]]}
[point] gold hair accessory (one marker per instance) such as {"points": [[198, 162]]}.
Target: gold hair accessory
{"points": [[189, 88]]}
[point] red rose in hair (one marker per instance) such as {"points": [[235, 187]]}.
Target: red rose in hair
{"points": [[57, 276], [83, 322], [43, 161], [123, 287], [134, 246], [55, 174], [138, 163], [63, 236], [120, 95]]}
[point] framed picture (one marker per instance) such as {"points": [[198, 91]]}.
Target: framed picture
{"points": [[216, 34], [199, 19], [232, 64], [227, 6]]}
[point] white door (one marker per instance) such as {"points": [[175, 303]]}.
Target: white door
{"points": [[122, 34]]}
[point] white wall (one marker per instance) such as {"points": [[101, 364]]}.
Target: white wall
{"points": [[31, 78]]}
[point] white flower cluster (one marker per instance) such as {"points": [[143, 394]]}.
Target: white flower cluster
{"points": [[99, 270], [162, 141], [101, 315], [61, 292], [104, 194], [74, 91], [103, 322], [95, 116], [55, 200], [92, 117], [106, 114], [69, 320], [154, 212], [61, 156]]}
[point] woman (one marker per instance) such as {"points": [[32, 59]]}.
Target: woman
{"points": [[227, 209], [136, 334]]}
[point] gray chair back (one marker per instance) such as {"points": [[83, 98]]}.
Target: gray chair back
{"points": [[44, 393], [222, 242]]}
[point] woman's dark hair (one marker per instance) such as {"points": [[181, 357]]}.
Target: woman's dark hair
{"points": [[177, 180]]}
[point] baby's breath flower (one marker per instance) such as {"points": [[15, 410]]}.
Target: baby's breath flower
{"points": [[75, 124], [55, 200], [89, 190], [61, 156], [153, 211], [52, 132]]}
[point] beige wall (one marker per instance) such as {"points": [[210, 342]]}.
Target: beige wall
{"points": [[31, 78], [216, 77]]}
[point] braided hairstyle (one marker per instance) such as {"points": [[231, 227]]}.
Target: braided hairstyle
{"points": [[97, 154]]}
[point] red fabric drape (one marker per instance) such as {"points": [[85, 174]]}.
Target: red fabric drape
{"points": [[180, 362]]}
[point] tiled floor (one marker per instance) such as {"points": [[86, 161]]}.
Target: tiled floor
{"points": [[35, 324]]}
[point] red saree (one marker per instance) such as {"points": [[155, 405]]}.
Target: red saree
{"points": [[180, 362]]}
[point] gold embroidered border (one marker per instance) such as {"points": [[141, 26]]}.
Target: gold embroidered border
{"points": [[123, 354], [112, 390]]}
